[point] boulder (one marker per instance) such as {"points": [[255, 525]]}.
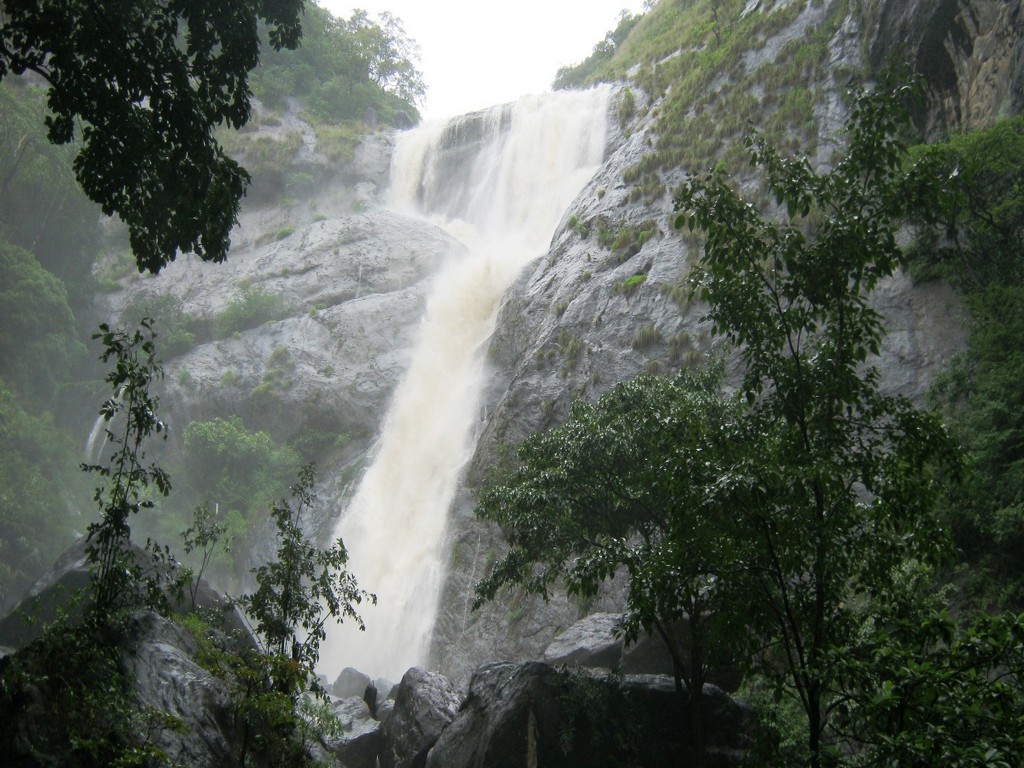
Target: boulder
{"points": [[57, 592], [590, 642], [386, 689], [351, 682], [166, 678], [384, 709], [424, 704], [51, 593], [729, 723], [359, 742], [529, 713], [380, 696], [511, 712]]}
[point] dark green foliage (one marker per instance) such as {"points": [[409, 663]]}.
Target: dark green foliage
{"points": [[148, 83], [38, 344], [601, 726], [233, 469], [42, 207], [983, 392], [971, 206], [226, 462], [973, 236], [297, 593], [130, 414], [925, 690], [842, 487], [43, 370], [37, 492], [65, 698], [65, 701], [276, 723]]}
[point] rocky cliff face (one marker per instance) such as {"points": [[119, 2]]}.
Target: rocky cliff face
{"points": [[971, 52], [351, 278], [580, 319]]}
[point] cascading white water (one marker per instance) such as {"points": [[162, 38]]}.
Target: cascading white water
{"points": [[97, 440], [500, 181]]}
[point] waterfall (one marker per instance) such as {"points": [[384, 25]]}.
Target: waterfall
{"points": [[97, 440], [499, 180]]}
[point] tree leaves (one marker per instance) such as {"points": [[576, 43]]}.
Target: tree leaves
{"points": [[846, 479], [148, 105]]}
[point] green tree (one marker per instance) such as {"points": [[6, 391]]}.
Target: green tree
{"points": [[924, 690], [203, 537], [970, 205], [148, 83], [584, 73], [64, 698], [131, 418], [38, 494], [299, 591], [973, 236], [624, 485], [843, 486], [42, 207], [344, 67], [38, 344], [236, 468]]}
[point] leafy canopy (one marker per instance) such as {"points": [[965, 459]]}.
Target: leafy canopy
{"points": [[843, 487], [974, 238], [343, 68], [146, 84]]}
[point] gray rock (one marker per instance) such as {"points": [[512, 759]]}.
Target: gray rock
{"points": [[729, 723], [158, 659], [51, 593], [590, 642], [351, 682], [970, 53], [56, 591], [384, 709], [425, 703], [359, 742], [386, 689], [509, 713], [528, 713]]}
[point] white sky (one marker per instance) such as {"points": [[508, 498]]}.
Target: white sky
{"points": [[477, 53]]}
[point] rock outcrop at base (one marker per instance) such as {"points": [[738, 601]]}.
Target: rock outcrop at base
{"points": [[425, 703], [530, 713]]}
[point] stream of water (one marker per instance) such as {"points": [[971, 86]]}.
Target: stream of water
{"points": [[499, 181]]}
